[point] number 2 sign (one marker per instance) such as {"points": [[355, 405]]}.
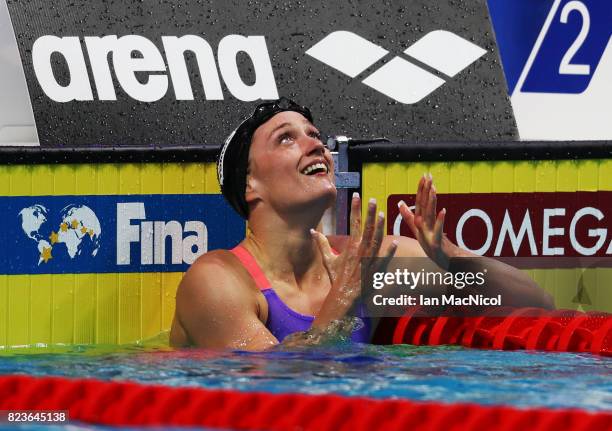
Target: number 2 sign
{"points": [[569, 47], [565, 87]]}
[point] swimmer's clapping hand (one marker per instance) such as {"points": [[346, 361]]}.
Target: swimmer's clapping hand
{"points": [[345, 269], [427, 224]]}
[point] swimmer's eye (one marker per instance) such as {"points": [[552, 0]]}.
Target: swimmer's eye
{"points": [[284, 138]]}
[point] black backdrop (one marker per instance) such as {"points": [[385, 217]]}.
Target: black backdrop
{"points": [[472, 106]]}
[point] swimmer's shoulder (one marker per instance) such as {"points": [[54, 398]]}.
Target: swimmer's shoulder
{"points": [[217, 301], [219, 268], [407, 247], [214, 284]]}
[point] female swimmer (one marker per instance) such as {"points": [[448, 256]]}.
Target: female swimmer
{"points": [[286, 278]]}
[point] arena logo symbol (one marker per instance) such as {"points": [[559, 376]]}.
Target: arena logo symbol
{"points": [[444, 52], [522, 224], [151, 62]]}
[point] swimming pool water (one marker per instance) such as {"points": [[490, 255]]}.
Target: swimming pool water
{"points": [[443, 373]]}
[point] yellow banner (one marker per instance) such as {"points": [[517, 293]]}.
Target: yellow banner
{"points": [[585, 289], [93, 308]]}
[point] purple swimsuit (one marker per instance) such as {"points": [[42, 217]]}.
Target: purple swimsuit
{"points": [[282, 320]]}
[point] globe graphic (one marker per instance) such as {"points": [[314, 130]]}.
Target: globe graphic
{"points": [[32, 218], [79, 230]]}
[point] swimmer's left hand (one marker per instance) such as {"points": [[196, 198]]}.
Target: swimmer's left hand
{"points": [[368, 244], [427, 225], [345, 270]]}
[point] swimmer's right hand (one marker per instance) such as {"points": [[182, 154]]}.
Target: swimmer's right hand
{"points": [[345, 269]]}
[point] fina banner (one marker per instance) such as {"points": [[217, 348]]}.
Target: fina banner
{"points": [[185, 73], [96, 234], [542, 230]]}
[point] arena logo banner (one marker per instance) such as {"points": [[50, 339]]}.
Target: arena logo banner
{"points": [[184, 73], [97, 234], [542, 230], [558, 60]]}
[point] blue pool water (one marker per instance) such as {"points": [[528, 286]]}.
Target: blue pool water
{"points": [[443, 373]]}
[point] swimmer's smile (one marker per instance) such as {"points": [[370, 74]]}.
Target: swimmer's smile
{"points": [[316, 168]]}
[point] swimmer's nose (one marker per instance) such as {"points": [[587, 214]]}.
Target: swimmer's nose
{"points": [[313, 146]]}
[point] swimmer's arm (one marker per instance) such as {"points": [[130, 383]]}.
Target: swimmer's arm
{"points": [[427, 224], [217, 311], [516, 287]]}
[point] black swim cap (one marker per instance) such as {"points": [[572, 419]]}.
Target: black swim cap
{"points": [[233, 160]]}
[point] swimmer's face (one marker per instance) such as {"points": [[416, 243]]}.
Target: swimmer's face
{"points": [[289, 167]]}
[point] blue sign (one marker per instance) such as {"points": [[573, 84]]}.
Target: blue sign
{"points": [[517, 24], [572, 47], [557, 57], [96, 234], [566, 38]]}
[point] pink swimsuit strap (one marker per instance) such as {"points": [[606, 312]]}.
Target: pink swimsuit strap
{"points": [[251, 265], [253, 268]]}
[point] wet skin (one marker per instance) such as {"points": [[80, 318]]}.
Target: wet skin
{"points": [[218, 304]]}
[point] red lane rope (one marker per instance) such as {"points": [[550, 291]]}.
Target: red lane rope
{"points": [[125, 404], [522, 328]]}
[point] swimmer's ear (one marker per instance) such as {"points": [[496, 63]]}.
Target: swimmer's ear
{"points": [[251, 193]]}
